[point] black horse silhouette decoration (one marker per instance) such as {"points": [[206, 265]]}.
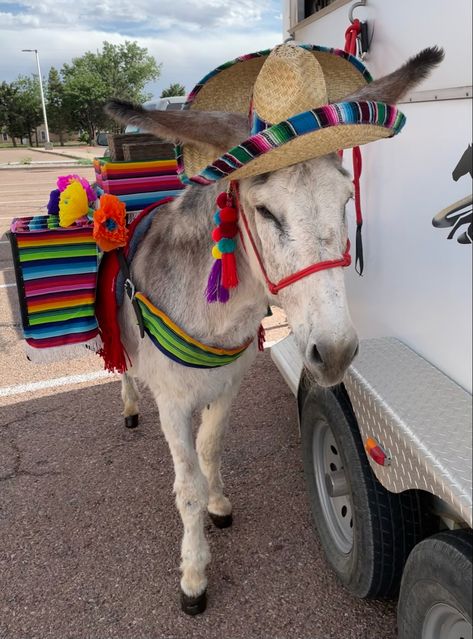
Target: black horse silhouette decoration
{"points": [[459, 213]]}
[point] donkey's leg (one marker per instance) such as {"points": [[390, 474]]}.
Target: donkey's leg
{"points": [[130, 397], [190, 487], [209, 447]]}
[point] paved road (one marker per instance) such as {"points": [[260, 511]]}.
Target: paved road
{"points": [[89, 534], [27, 154]]}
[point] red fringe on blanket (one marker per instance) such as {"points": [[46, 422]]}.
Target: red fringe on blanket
{"points": [[106, 309]]}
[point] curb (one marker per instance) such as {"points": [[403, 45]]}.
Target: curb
{"points": [[58, 154], [44, 165]]}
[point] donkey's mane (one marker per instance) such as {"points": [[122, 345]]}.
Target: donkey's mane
{"points": [[180, 230]]}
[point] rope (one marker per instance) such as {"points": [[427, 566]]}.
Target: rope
{"points": [[351, 36]]}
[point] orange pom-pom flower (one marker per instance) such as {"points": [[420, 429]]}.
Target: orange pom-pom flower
{"points": [[110, 230]]}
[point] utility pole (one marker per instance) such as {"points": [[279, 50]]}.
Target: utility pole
{"points": [[48, 144]]}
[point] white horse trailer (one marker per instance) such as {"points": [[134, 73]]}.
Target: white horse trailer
{"points": [[388, 455]]}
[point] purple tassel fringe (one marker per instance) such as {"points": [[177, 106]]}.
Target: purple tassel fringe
{"points": [[223, 294], [53, 204], [214, 281], [215, 291]]}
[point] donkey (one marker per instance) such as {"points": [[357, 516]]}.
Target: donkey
{"points": [[296, 216]]}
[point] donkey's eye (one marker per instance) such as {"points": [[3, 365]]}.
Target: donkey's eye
{"points": [[266, 213]]}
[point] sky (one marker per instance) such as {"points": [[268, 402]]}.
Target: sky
{"points": [[189, 37]]}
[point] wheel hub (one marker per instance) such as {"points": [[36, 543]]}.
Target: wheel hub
{"points": [[446, 622], [332, 486]]}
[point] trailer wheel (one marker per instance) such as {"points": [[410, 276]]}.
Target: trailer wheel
{"points": [[366, 531], [436, 589]]}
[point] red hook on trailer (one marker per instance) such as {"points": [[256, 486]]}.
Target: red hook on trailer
{"points": [[351, 36]]}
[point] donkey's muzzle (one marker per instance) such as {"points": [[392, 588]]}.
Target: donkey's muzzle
{"points": [[328, 361]]}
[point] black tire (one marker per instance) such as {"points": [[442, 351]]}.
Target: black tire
{"points": [[386, 526], [438, 571]]}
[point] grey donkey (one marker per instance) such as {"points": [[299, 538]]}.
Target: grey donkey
{"points": [[297, 217]]}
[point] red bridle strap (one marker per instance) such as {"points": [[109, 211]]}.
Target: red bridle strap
{"points": [[273, 287]]}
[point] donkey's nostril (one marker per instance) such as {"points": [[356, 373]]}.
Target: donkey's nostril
{"points": [[316, 356]]}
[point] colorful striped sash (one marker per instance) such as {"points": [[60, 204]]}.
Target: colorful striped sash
{"points": [[177, 345]]}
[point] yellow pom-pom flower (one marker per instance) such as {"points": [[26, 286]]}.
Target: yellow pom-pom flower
{"points": [[216, 253], [73, 204]]}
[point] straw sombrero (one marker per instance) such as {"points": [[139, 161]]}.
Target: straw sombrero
{"points": [[294, 96]]}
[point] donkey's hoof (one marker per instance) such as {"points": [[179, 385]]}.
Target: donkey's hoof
{"points": [[221, 521], [132, 421], [194, 605]]}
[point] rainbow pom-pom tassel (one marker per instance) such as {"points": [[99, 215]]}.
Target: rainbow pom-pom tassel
{"points": [[223, 275]]}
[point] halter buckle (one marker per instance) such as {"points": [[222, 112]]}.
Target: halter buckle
{"points": [[130, 288]]}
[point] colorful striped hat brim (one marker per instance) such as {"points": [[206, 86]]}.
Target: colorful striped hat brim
{"points": [[302, 137]]}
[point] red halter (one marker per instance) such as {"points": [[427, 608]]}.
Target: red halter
{"points": [[274, 288]]}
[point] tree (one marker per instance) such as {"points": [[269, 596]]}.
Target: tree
{"points": [[173, 89], [10, 112], [126, 69], [84, 95], [20, 107], [55, 105], [119, 71], [30, 104]]}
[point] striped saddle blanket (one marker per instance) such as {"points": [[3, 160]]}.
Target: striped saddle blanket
{"points": [[56, 276]]}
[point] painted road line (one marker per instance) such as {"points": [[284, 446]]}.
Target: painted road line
{"points": [[21, 202], [6, 277], [9, 391]]}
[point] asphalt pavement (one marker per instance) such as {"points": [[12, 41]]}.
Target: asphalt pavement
{"points": [[89, 535]]}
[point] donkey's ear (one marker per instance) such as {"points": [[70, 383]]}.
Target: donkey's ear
{"points": [[394, 86], [220, 130]]}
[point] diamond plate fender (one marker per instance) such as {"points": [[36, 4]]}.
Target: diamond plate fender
{"points": [[420, 417]]}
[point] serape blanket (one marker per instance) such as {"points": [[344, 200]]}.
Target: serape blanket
{"points": [[135, 202], [141, 185], [138, 184], [106, 169], [56, 273]]}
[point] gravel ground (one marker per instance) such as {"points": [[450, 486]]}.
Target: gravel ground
{"points": [[90, 535]]}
